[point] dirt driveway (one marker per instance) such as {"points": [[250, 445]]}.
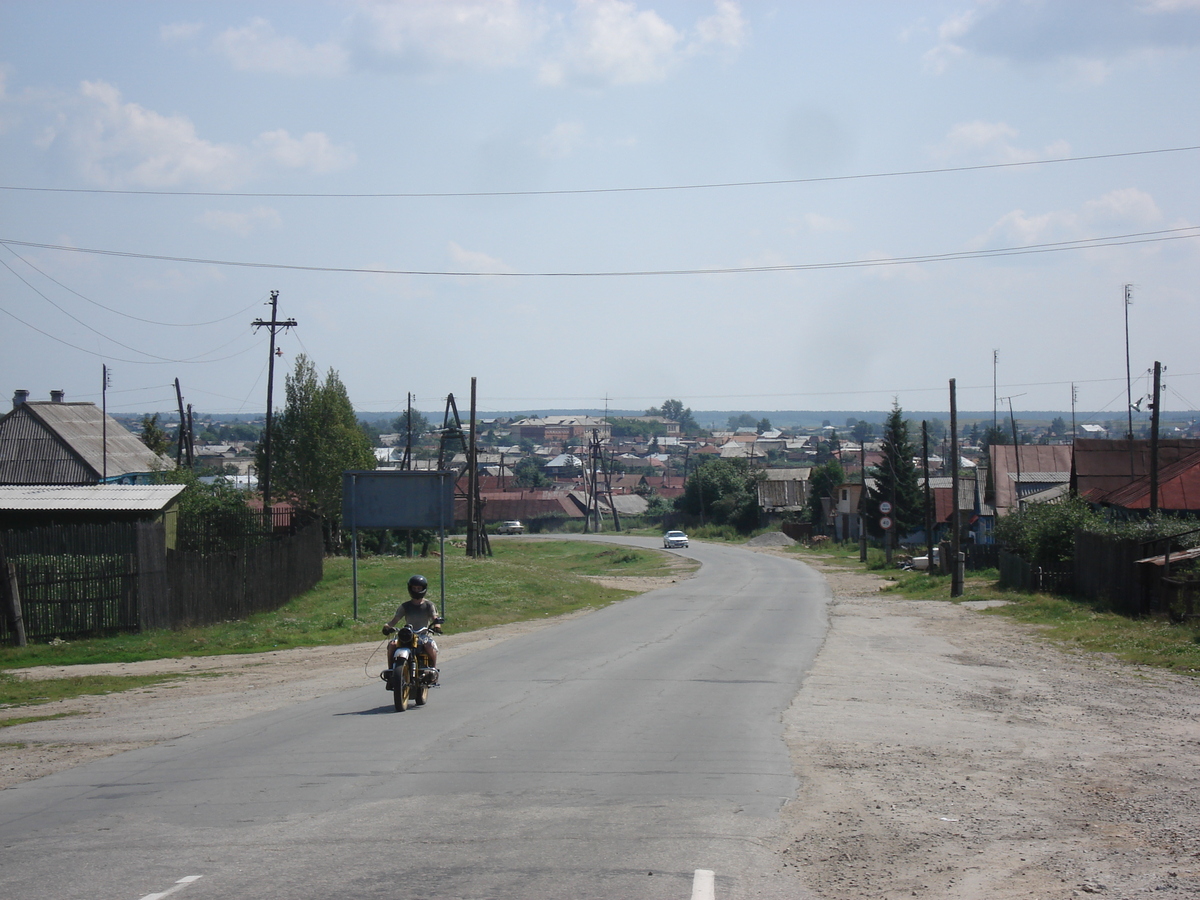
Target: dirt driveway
{"points": [[941, 752]]}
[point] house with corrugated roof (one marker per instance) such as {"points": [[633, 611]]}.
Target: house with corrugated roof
{"points": [[1117, 473], [56, 442]]}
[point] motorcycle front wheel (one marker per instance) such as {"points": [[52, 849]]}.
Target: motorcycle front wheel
{"points": [[404, 686]]}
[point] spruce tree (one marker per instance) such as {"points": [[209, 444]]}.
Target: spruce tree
{"points": [[896, 481]]}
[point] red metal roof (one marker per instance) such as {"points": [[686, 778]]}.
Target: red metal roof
{"points": [[1102, 468], [1178, 488]]}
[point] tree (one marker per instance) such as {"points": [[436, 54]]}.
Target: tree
{"points": [[1058, 427], [723, 492], [862, 431], [528, 473], [745, 420], [153, 435], [763, 424], [418, 425], [896, 480], [313, 440], [675, 411], [824, 481]]}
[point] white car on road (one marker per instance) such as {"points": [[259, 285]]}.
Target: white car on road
{"points": [[674, 539]]}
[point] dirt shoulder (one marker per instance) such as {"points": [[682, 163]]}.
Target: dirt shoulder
{"points": [[947, 753], [941, 752]]}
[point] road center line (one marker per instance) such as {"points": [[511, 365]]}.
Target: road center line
{"points": [[178, 886], [704, 885]]}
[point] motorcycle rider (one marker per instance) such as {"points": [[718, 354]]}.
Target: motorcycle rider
{"points": [[418, 612]]}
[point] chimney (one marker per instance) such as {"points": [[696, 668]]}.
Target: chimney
{"points": [[19, 397], [57, 396]]}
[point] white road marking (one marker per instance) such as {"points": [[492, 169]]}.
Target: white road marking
{"points": [[704, 885], [178, 886]]}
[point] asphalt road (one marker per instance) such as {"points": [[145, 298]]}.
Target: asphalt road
{"points": [[611, 756]]}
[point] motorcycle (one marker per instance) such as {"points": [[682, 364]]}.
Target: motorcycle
{"points": [[410, 676]]}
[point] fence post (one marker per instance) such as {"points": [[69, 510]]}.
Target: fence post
{"points": [[12, 597]]}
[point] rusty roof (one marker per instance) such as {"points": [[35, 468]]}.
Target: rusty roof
{"points": [[1103, 467], [1034, 458], [1178, 488]]}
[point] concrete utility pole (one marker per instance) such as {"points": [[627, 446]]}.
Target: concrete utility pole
{"points": [[274, 325]]}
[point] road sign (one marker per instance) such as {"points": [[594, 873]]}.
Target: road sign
{"points": [[885, 507], [886, 523]]}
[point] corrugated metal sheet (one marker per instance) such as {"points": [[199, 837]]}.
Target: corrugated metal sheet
{"points": [[1103, 467], [1035, 458], [65, 443], [1178, 488], [139, 497]]}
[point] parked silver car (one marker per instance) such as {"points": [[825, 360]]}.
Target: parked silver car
{"points": [[674, 539], [510, 527]]}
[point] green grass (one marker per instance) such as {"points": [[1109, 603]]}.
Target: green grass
{"points": [[524, 580], [31, 692], [1068, 622]]}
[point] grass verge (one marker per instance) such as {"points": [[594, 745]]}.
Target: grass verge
{"points": [[1068, 622], [32, 692], [525, 579]]}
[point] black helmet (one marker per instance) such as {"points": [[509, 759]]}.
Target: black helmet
{"points": [[418, 585]]}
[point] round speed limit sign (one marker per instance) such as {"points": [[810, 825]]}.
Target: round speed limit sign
{"points": [[886, 523]]}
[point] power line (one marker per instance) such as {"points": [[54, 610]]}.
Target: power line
{"points": [[117, 311], [1143, 237], [617, 190]]}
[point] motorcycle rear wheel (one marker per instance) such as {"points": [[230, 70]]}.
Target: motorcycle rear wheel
{"points": [[403, 688]]}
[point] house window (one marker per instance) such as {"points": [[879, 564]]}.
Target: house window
{"points": [[845, 493]]}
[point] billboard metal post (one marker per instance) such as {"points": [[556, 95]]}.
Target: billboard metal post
{"points": [[398, 499]]}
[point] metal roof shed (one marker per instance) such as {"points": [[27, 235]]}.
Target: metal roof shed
{"points": [[30, 506]]}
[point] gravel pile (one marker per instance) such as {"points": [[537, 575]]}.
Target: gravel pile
{"points": [[771, 539]]}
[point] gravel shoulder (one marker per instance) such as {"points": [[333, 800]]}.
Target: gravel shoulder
{"points": [[940, 752]]}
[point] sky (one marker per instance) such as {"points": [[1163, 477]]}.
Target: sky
{"points": [[603, 203]]}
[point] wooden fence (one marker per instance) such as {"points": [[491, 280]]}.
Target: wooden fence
{"points": [[1019, 574], [84, 580]]}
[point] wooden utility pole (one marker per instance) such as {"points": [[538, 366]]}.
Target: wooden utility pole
{"points": [[1154, 436], [273, 326], [472, 486], [182, 421], [956, 579], [928, 502]]}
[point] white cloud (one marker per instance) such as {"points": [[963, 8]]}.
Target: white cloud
{"points": [[1122, 210], [613, 42], [726, 27], [118, 144], [487, 33], [993, 142], [242, 224], [1085, 40], [257, 48], [475, 261], [314, 152], [561, 141]]}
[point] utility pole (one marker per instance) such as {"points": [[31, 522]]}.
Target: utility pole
{"points": [[1128, 376], [472, 486], [995, 389], [1074, 397], [274, 325], [956, 575], [182, 421], [104, 424], [928, 504], [1154, 436]]}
